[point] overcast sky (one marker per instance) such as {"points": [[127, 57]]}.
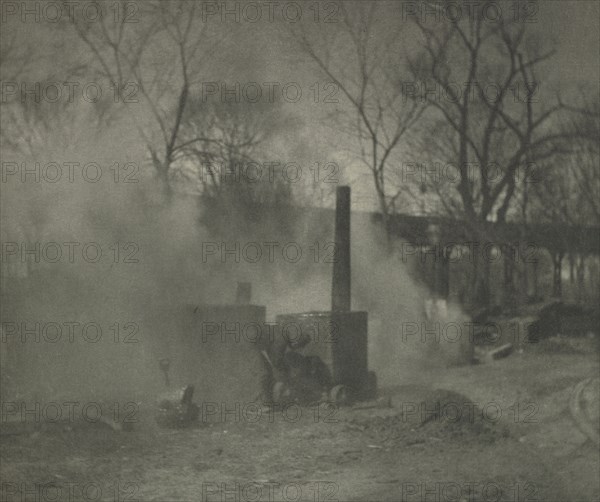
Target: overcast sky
{"points": [[575, 24]]}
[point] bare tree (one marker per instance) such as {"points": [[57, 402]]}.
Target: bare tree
{"points": [[27, 123], [364, 62], [568, 191], [491, 120], [221, 140], [162, 80]]}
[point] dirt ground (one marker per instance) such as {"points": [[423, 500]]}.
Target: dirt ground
{"points": [[495, 431]]}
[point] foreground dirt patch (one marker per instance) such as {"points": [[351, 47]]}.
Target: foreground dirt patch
{"points": [[328, 454], [417, 449]]}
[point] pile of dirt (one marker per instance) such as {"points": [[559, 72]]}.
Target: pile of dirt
{"points": [[439, 415]]}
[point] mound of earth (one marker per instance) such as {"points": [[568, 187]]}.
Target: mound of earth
{"points": [[438, 415]]}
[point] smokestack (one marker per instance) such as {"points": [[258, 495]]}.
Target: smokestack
{"points": [[340, 288]]}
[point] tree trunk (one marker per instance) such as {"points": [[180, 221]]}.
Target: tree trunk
{"points": [[571, 268], [443, 275], [484, 288], [557, 258], [474, 282], [535, 280], [581, 297], [508, 254], [480, 280], [524, 281]]}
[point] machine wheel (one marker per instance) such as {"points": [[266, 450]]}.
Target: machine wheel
{"points": [[340, 394]]}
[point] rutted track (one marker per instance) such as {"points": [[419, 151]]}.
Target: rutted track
{"points": [[580, 413]]}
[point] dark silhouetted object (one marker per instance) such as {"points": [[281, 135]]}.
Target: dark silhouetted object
{"points": [[340, 291]]}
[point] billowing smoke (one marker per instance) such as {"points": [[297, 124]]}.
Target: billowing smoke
{"points": [[90, 254], [406, 344], [82, 325]]}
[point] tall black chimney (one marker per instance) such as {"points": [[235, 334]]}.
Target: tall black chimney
{"points": [[340, 288]]}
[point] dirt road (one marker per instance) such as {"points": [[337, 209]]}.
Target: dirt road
{"points": [[500, 431]]}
